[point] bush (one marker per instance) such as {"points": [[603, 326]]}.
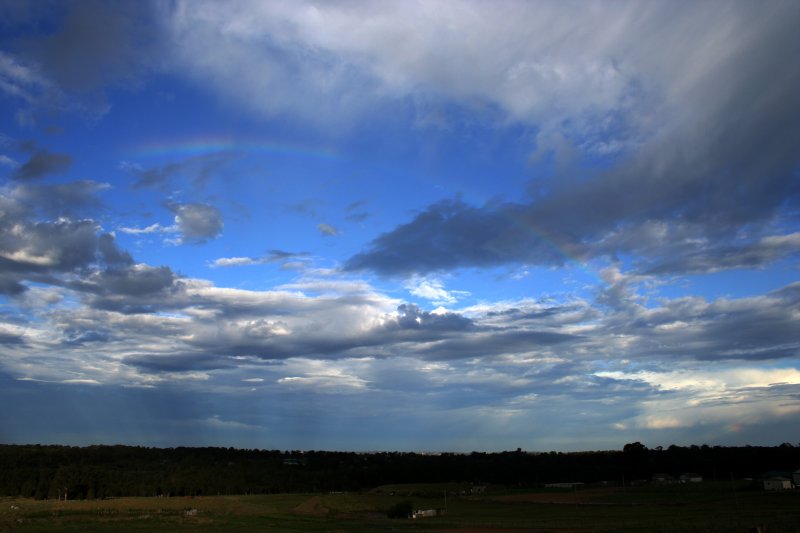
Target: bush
{"points": [[401, 510]]}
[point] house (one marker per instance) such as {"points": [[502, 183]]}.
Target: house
{"points": [[571, 485], [691, 477], [663, 479], [796, 477], [777, 483], [425, 513]]}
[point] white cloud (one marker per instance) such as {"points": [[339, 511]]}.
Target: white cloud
{"points": [[152, 228], [8, 162], [20, 79], [237, 261], [616, 69], [433, 289]]}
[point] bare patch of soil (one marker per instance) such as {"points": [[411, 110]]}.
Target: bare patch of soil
{"points": [[312, 506]]}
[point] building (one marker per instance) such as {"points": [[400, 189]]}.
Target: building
{"points": [[425, 513], [691, 477], [777, 483], [663, 479]]}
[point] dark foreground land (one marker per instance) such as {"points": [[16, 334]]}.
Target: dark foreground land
{"points": [[708, 507], [124, 488]]}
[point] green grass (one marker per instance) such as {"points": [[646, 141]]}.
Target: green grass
{"points": [[706, 507]]}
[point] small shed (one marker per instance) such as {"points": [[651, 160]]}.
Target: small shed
{"points": [[777, 483], [663, 479], [426, 513]]}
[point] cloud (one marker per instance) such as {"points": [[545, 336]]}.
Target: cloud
{"points": [[433, 290], [22, 80], [42, 163], [198, 170], [152, 228], [327, 230], [96, 45], [273, 256], [194, 222], [452, 234], [61, 200], [65, 252], [197, 222], [679, 164], [716, 257], [355, 211], [670, 363]]}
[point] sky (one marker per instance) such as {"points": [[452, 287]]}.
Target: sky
{"points": [[400, 225]]}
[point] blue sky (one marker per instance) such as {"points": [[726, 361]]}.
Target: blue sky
{"points": [[398, 225]]}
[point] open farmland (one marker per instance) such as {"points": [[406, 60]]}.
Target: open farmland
{"points": [[708, 506]]}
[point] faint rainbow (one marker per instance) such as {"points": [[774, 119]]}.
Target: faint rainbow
{"points": [[216, 145], [569, 256]]}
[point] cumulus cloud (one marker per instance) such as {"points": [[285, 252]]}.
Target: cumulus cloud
{"points": [[657, 144], [197, 222], [194, 223], [433, 290]]}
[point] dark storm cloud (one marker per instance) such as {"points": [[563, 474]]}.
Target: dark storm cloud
{"points": [[11, 339], [58, 246], [10, 284], [411, 317], [133, 289], [452, 234], [756, 328], [184, 362], [66, 252], [43, 163], [137, 281], [111, 254], [96, 44], [727, 162], [492, 343], [44, 249], [197, 222], [700, 259]]}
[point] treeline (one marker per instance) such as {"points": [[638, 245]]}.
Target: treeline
{"points": [[39, 471]]}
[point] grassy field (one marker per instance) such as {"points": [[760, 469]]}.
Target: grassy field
{"points": [[706, 507]]}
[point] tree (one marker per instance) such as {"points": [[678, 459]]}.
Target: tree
{"points": [[401, 510]]}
